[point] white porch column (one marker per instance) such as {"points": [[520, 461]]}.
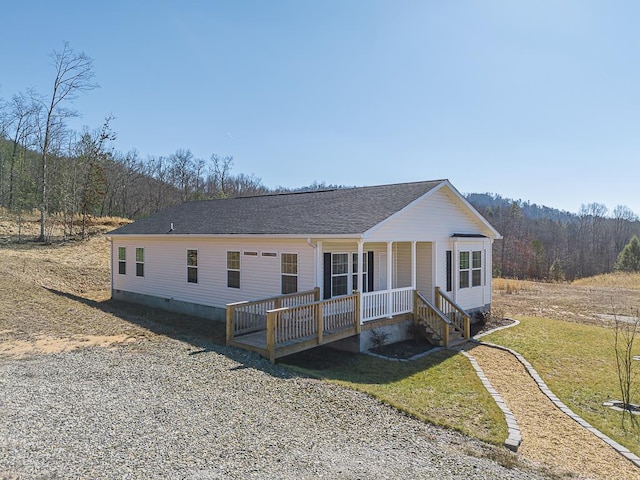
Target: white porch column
{"points": [[319, 268], [414, 266], [389, 278], [359, 284]]}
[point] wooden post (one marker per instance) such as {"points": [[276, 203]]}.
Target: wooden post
{"points": [[446, 335], [316, 294], [467, 327], [415, 307], [230, 311], [356, 314], [318, 312], [271, 336], [438, 299]]}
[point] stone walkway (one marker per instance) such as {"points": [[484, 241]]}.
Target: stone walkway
{"points": [[549, 436]]}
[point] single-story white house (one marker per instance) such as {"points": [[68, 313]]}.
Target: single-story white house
{"points": [[379, 246]]}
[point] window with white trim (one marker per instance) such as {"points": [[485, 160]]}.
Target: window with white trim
{"points": [[464, 269], [339, 274], [192, 266], [476, 268], [122, 260], [470, 269], [289, 272], [139, 262], [365, 272], [233, 269]]}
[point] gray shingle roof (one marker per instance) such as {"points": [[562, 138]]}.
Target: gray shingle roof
{"points": [[324, 212]]}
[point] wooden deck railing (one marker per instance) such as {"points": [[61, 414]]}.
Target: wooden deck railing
{"points": [[428, 314], [312, 321], [454, 312], [247, 317]]}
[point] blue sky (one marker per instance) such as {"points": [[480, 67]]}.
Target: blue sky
{"points": [[538, 100]]}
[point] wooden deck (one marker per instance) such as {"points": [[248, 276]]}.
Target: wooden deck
{"points": [[281, 326], [257, 342]]}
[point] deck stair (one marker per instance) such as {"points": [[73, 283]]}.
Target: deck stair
{"points": [[444, 323]]}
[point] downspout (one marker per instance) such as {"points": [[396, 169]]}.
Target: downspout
{"points": [[315, 263], [359, 284]]}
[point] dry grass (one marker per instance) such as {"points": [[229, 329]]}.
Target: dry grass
{"points": [[582, 301], [28, 228], [621, 280]]}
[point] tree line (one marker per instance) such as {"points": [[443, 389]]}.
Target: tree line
{"points": [[547, 244], [46, 166]]}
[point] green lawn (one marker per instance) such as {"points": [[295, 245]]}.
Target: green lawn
{"points": [[577, 361], [441, 388]]}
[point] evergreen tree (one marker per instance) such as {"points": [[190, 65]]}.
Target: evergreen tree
{"points": [[629, 257]]}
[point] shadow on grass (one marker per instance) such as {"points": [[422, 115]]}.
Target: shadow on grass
{"points": [[325, 362], [204, 335]]}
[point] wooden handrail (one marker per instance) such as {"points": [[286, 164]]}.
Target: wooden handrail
{"points": [[311, 320], [458, 316], [434, 318], [255, 311]]}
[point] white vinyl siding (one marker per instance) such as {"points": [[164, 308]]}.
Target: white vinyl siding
{"points": [[435, 217], [164, 269]]}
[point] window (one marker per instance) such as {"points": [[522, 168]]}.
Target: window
{"points": [[365, 272], [449, 259], [139, 262], [464, 269], [122, 260], [289, 270], [233, 269], [470, 269], [192, 266], [476, 268], [339, 274]]}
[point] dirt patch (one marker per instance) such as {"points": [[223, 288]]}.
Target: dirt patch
{"points": [[50, 345], [565, 301]]}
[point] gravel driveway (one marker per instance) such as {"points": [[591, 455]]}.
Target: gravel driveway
{"points": [[167, 409]]}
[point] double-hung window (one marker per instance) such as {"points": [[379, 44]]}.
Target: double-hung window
{"points": [[233, 269], [139, 262], [289, 272], [476, 268], [470, 269], [192, 266], [339, 274], [464, 269], [122, 260], [365, 272]]}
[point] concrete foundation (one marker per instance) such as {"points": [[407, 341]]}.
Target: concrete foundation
{"points": [[172, 305]]}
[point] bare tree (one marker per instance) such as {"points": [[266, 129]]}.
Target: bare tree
{"points": [[20, 120], [625, 332], [73, 75]]}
